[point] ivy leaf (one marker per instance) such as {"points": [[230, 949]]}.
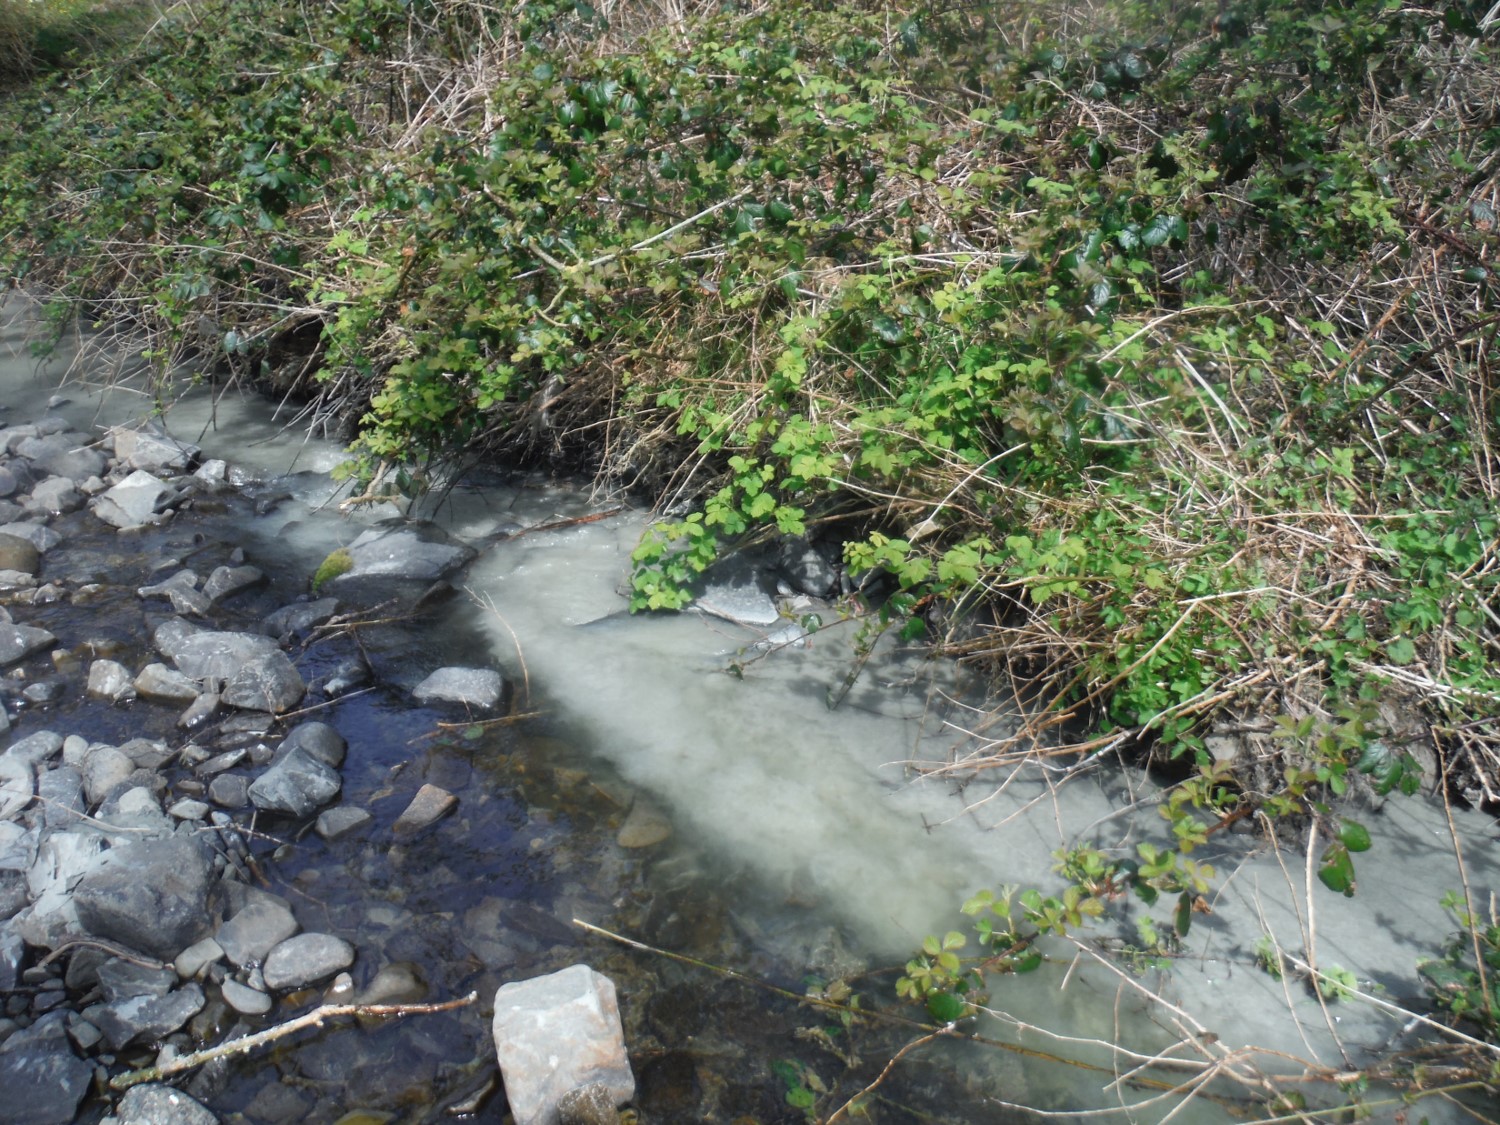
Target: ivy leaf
{"points": [[888, 328], [1161, 229]]}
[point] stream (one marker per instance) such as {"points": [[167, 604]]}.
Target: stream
{"points": [[711, 789]]}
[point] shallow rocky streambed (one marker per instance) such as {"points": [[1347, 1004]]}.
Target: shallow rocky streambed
{"points": [[227, 797]]}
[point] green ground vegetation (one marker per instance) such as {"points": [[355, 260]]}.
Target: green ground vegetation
{"points": [[1148, 350]]}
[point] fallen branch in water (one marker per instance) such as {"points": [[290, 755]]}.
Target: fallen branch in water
{"points": [[248, 1043]]}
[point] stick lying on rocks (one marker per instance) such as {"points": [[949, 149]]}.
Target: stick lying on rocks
{"points": [[248, 1043]]}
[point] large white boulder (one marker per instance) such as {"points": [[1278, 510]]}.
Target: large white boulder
{"points": [[556, 1033]]}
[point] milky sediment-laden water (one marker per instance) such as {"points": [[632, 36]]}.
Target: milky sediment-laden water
{"points": [[789, 837]]}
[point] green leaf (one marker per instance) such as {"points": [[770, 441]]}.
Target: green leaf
{"points": [[801, 1097], [1026, 962], [1354, 835], [1182, 919], [1337, 872], [888, 328], [1401, 651], [1160, 229], [945, 1007]]}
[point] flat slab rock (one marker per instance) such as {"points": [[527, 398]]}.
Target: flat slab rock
{"points": [[420, 552], [556, 1033], [474, 687], [154, 1104], [429, 806], [17, 642], [42, 1079]]}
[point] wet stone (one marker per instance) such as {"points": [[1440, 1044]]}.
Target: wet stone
{"points": [[133, 502], [244, 999], [224, 581], [18, 554], [473, 687], [61, 791], [39, 535], [64, 455], [17, 642], [55, 496], [36, 747], [44, 691], [300, 618], [306, 959], [105, 770], [196, 957], [108, 679], [203, 708], [298, 785], [420, 553], [230, 791], [333, 823], [644, 827], [149, 448], [189, 809], [154, 1104], [594, 1104], [317, 740], [120, 980], [165, 685], [182, 591], [269, 682], [429, 806], [255, 930], [397, 983], [8, 482], [221, 762], [147, 753]]}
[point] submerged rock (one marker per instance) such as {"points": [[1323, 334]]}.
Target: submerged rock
{"points": [[644, 827], [259, 927], [306, 959], [301, 781], [429, 806], [154, 1104], [554, 1034], [473, 687], [18, 554], [341, 821]]}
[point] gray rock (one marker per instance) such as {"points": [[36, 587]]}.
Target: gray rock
{"points": [[350, 674], [111, 680], [808, 567], [61, 860], [153, 1104], [54, 496], [341, 821], [17, 785], [63, 455], [147, 753], [319, 740], [594, 1104], [741, 603], [120, 980], [421, 552], [37, 747], [165, 685], [189, 809], [200, 711], [397, 983], [429, 806], [208, 654], [43, 1079], [269, 682], [19, 554], [151, 449], [298, 785], [554, 1034], [474, 687], [230, 580], [39, 535], [17, 642], [133, 502], [44, 691], [144, 1019], [13, 897], [135, 807], [150, 894], [221, 762], [244, 999], [61, 791], [12, 954], [256, 929], [230, 791], [213, 471], [9, 485], [105, 770], [182, 591], [306, 959], [196, 957], [15, 580], [300, 618]]}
